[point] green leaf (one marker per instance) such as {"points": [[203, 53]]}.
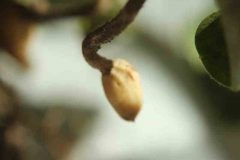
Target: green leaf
{"points": [[212, 48], [231, 15]]}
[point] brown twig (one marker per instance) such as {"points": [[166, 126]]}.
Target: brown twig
{"points": [[56, 12], [92, 43], [17, 22]]}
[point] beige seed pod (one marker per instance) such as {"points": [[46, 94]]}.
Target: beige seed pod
{"points": [[123, 90]]}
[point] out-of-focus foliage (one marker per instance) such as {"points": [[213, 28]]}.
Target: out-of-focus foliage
{"points": [[28, 133], [15, 31]]}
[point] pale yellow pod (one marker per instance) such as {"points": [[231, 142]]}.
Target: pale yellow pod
{"points": [[123, 89]]}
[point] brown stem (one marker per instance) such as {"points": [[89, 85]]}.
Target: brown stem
{"points": [[92, 43]]}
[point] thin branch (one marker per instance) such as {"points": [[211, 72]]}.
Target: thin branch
{"points": [[57, 12], [104, 34]]}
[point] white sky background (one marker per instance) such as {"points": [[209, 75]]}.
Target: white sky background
{"points": [[167, 128]]}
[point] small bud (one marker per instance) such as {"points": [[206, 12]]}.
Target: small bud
{"points": [[123, 90]]}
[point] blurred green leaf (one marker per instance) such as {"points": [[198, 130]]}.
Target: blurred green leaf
{"points": [[212, 48]]}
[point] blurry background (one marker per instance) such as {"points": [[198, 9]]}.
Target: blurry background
{"points": [[63, 113]]}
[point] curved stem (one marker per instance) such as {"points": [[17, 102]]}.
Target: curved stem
{"points": [[92, 43]]}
